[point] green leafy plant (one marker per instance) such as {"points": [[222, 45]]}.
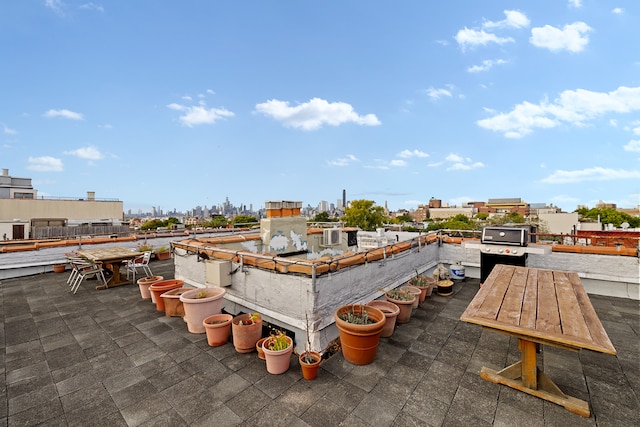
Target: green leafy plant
{"points": [[251, 320], [420, 281], [357, 317], [145, 247], [400, 294], [277, 341], [161, 249]]}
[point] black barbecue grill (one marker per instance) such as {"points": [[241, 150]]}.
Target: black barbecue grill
{"points": [[504, 245]]}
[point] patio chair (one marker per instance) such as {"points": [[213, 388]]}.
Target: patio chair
{"points": [[77, 263], [88, 269], [139, 262]]}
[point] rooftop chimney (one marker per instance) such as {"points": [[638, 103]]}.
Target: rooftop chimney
{"points": [[91, 195], [5, 172]]}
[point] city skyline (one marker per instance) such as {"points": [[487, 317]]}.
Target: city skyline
{"points": [[397, 102]]}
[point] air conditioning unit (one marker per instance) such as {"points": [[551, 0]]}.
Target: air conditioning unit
{"points": [[332, 236]]}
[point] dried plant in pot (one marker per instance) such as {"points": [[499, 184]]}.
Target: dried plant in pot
{"points": [[424, 283], [309, 360]]}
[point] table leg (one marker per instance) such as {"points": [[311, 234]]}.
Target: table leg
{"points": [[525, 376]]}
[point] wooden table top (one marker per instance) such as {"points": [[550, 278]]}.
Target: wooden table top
{"points": [[114, 253], [546, 306]]}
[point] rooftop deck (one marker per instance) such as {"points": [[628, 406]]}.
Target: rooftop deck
{"points": [[109, 358]]}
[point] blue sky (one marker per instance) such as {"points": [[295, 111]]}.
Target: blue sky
{"points": [[182, 103]]}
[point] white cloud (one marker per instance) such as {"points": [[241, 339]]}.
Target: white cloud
{"points": [[398, 163], [200, 115], [572, 107], [343, 161], [92, 6], [44, 164], [461, 163], [89, 153], [618, 11], [590, 174], [406, 154], [486, 65], [468, 37], [65, 114], [575, 3], [572, 37], [314, 114], [434, 93], [513, 19], [56, 5], [633, 145], [8, 131]]}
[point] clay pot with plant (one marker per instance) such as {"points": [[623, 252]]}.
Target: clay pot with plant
{"points": [[162, 253], [277, 352], [200, 304], [360, 327], [404, 300], [218, 329], [425, 284], [246, 330], [309, 360]]}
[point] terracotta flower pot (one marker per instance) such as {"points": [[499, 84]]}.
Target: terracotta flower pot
{"points": [[359, 343], [161, 256], [162, 286], [144, 284], [259, 348], [278, 361], [173, 307], [405, 308], [416, 293], [310, 369], [59, 268], [246, 336], [218, 329], [391, 312], [199, 304], [425, 290]]}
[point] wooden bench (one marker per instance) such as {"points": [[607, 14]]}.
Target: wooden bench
{"points": [[537, 307]]}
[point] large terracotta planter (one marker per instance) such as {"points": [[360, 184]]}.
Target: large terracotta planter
{"points": [[59, 268], [145, 282], [359, 343], [218, 329], [405, 308], [173, 307], [161, 256], [199, 304], [391, 312], [278, 361], [416, 293], [246, 336], [162, 286], [310, 369]]}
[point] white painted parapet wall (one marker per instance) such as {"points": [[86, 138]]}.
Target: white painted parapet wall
{"points": [[284, 299]]}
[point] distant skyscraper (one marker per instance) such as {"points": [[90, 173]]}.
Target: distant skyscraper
{"points": [[344, 198]]}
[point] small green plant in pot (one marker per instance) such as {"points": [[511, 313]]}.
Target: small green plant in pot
{"points": [[277, 352], [404, 300]]}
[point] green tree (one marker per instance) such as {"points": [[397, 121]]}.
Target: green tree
{"points": [[609, 216], [244, 219], [152, 224], [401, 219], [482, 216], [217, 221], [364, 214], [322, 217]]}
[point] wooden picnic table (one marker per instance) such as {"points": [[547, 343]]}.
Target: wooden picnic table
{"points": [[113, 257], [538, 307]]}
